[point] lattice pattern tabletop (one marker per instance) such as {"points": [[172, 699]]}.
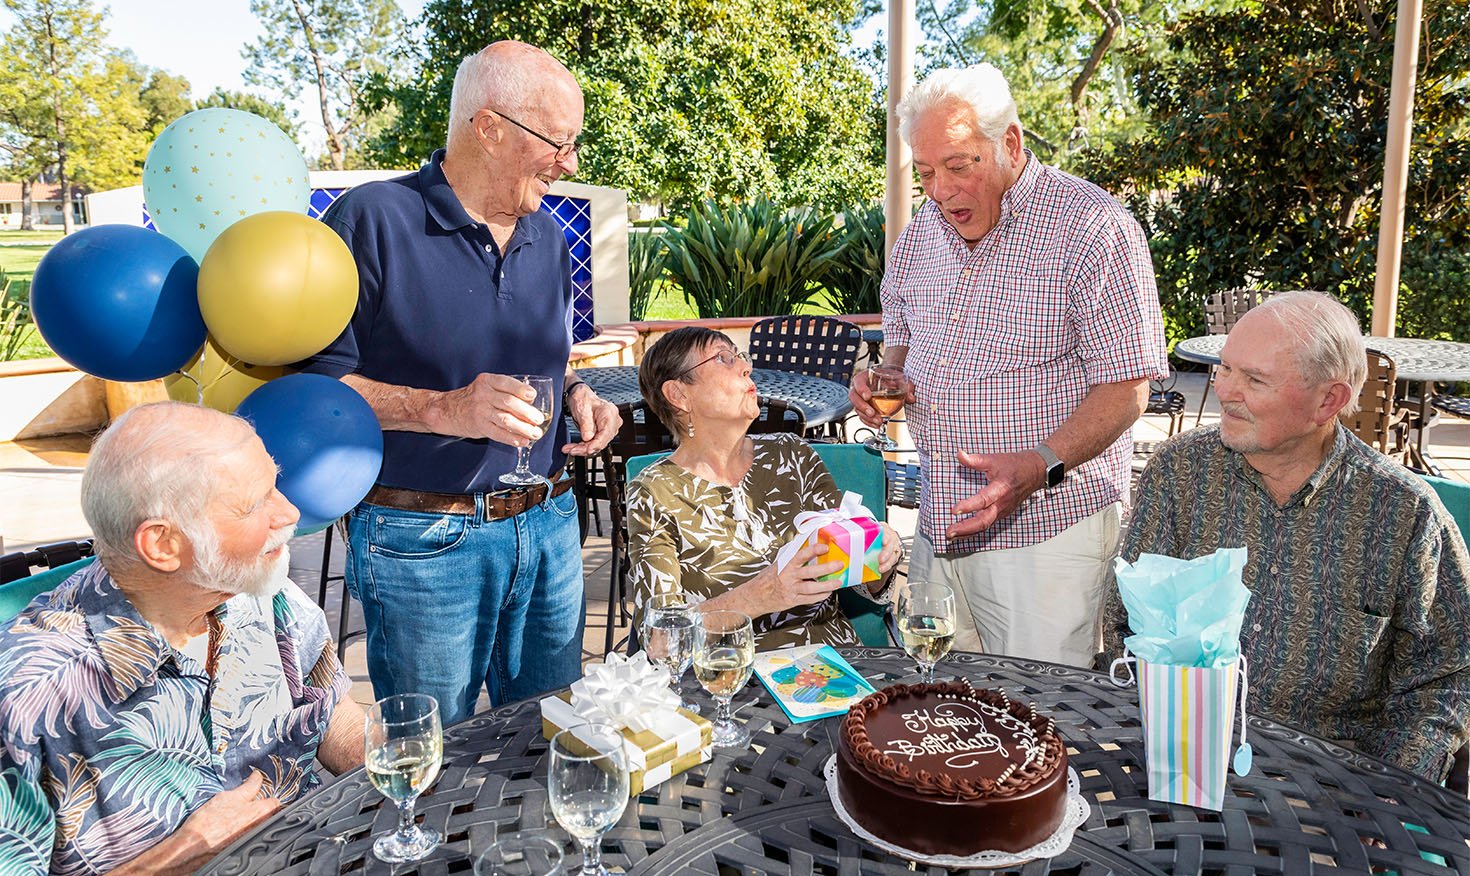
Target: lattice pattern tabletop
{"points": [[1307, 806], [1417, 360], [822, 401]]}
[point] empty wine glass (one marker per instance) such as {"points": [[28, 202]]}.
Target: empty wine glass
{"points": [[724, 650], [926, 622], [669, 625], [889, 390], [523, 476], [404, 744], [588, 781], [521, 854]]}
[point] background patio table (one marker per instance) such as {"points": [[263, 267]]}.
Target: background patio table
{"points": [[1307, 806], [822, 401]]}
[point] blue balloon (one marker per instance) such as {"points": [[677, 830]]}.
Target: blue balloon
{"points": [[120, 302], [212, 168], [324, 437]]}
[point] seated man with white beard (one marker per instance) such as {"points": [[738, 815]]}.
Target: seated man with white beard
{"points": [[164, 699]]}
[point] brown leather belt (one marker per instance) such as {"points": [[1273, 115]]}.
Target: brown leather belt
{"points": [[498, 505]]}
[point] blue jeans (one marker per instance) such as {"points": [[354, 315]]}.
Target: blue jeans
{"points": [[453, 601]]}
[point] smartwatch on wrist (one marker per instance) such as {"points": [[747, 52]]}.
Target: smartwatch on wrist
{"points": [[1055, 468]]}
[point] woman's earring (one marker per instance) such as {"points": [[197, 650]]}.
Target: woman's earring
{"points": [[691, 425]]}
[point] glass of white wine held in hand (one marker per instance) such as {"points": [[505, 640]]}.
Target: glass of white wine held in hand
{"points": [[403, 746], [724, 650], [588, 784], [523, 476], [669, 627], [889, 392], [926, 622]]}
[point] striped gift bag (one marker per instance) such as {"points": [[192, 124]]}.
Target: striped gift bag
{"points": [[1188, 720]]}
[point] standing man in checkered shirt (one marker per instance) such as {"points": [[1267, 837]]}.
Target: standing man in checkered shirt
{"points": [[1020, 303]]}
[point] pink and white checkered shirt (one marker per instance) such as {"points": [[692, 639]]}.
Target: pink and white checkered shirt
{"points": [[1006, 339]]}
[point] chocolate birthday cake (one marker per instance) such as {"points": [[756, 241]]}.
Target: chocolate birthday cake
{"points": [[946, 769]]}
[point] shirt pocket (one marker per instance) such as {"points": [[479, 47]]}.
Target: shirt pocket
{"points": [[1350, 654], [1023, 325]]}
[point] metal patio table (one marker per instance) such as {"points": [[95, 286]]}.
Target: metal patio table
{"points": [[822, 401], [1415, 360], [1307, 806]]}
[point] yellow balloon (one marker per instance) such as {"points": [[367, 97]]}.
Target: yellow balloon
{"points": [[276, 287], [225, 380]]}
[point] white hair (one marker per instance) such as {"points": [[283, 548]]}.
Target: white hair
{"points": [[981, 87], [155, 461], [498, 73], [1328, 340]]}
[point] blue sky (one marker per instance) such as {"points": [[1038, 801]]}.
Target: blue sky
{"points": [[201, 41]]}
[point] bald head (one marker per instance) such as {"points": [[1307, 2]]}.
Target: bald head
{"points": [[158, 461], [510, 77]]}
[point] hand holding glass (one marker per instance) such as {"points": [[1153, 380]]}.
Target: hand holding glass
{"points": [[724, 650], [588, 781], [523, 476], [926, 621], [889, 392], [669, 625], [404, 744]]}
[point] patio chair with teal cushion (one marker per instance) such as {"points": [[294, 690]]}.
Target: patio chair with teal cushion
{"points": [[16, 595], [1456, 498], [855, 469]]}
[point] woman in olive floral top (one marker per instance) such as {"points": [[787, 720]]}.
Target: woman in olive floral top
{"points": [[708, 520]]}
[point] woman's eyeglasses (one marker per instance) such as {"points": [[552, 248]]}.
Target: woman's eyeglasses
{"points": [[727, 358]]}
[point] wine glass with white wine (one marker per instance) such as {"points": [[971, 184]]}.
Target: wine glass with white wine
{"points": [[669, 627], [890, 391], [588, 783], [523, 476], [724, 650], [926, 622], [404, 745]]}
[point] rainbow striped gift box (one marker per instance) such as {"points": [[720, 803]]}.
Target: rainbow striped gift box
{"points": [[1188, 721]]}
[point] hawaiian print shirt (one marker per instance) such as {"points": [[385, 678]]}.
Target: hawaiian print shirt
{"points": [[689, 535], [111, 737]]}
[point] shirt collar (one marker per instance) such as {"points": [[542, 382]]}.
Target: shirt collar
{"points": [[1314, 483], [444, 207]]}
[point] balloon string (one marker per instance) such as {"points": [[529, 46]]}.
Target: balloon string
{"points": [[198, 387]]}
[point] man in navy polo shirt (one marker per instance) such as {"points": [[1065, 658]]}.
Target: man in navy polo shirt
{"points": [[464, 282]]}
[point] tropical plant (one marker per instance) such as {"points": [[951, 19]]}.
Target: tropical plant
{"points": [[15, 315], [645, 270], [751, 259], [857, 270]]}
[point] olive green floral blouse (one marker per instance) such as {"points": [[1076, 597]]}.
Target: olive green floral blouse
{"points": [[687, 534]]}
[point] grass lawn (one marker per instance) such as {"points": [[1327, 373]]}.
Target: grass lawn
{"points": [[667, 302], [20, 252]]}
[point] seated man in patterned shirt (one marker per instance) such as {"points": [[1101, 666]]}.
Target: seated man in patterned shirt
{"points": [[164, 699], [1358, 627]]}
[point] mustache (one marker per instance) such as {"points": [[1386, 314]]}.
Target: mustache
{"points": [[279, 539]]}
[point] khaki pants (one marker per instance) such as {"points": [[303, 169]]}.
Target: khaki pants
{"points": [[1039, 602]]}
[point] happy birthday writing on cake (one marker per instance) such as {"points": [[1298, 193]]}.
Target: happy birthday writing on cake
{"points": [[959, 730]]}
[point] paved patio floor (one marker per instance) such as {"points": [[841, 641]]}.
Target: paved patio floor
{"points": [[39, 483]]}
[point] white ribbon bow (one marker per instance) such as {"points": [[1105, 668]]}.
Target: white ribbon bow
{"points": [[627, 692], [808, 522]]}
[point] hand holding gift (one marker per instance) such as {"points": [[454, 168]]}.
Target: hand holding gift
{"points": [[851, 534]]}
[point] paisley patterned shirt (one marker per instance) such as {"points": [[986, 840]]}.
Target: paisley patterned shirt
{"points": [[686, 534], [1358, 627], [110, 738]]}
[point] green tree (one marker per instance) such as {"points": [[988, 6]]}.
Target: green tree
{"points": [[1263, 160], [1068, 61], [67, 105], [331, 44], [165, 97], [273, 111], [686, 99]]}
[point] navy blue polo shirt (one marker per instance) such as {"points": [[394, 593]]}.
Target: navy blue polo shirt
{"points": [[439, 303]]}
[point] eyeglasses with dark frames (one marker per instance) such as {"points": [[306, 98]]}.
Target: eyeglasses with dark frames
{"points": [[727, 358], [563, 150]]}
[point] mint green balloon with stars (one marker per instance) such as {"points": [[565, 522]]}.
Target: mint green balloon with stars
{"points": [[213, 167]]}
